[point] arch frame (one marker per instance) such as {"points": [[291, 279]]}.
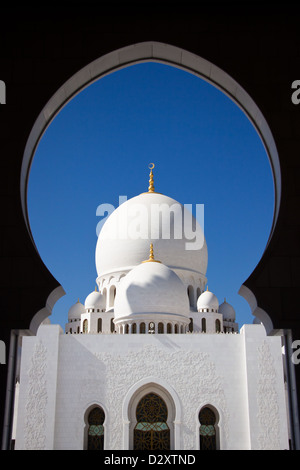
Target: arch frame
{"points": [[167, 393], [150, 51], [218, 425], [87, 410]]}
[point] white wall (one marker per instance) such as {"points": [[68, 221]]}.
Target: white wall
{"points": [[223, 370]]}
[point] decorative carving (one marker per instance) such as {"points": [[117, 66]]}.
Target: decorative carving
{"points": [[35, 419], [178, 368], [267, 401]]}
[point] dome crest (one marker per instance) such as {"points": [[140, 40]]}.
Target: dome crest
{"points": [[126, 234], [123, 242]]}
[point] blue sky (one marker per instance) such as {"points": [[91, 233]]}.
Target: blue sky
{"points": [[98, 148]]}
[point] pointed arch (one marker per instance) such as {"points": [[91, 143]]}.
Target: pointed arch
{"points": [[208, 428], [95, 418], [165, 392]]}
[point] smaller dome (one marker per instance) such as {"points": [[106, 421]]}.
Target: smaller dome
{"points": [[227, 311], [95, 300], [152, 288], [208, 300], [75, 311]]}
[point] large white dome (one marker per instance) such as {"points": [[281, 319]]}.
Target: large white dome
{"points": [[123, 242], [151, 288]]}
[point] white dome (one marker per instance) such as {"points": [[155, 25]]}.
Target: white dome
{"points": [[207, 300], [75, 311], [151, 288], [125, 236], [95, 300], [227, 311]]}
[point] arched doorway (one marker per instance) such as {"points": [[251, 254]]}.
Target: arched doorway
{"points": [[151, 431], [152, 413]]}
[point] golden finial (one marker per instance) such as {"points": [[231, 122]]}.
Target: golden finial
{"points": [[78, 301], [206, 288], [95, 288], [151, 184], [151, 256]]}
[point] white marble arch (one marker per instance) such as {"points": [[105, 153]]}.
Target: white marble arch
{"points": [[167, 393], [150, 51]]}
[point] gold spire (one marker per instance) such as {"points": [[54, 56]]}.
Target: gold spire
{"points": [[151, 188], [151, 256]]}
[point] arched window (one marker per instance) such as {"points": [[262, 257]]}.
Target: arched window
{"points": [[112, 326], [190, 292], [99, 329], [176, 328], [112, 295], [160, 328], [208, 440], [169, 328], [85, 326], [218, 326], [96, 419], [126, 329], [142, 328], [151, 431], [191, 325], [203, 325], [104, 293], [133, 328]]}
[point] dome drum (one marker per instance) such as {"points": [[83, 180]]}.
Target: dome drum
{"points": [[148, 324]]}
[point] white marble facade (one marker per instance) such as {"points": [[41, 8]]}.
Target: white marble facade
{"points": [[237, 375]]}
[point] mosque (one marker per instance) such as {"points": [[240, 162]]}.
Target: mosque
{"points": [[151, 360]]}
